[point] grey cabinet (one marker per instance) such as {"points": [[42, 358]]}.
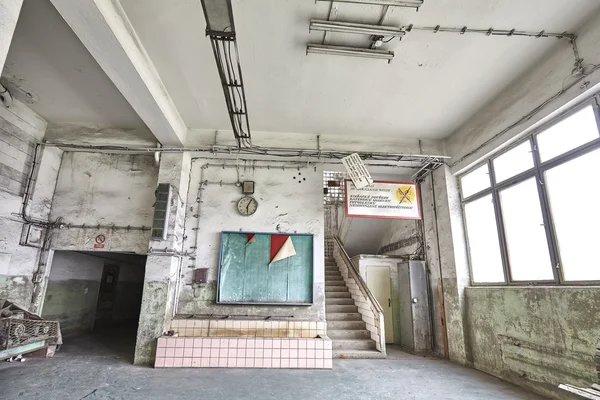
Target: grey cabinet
{"points": [[415, 330]]}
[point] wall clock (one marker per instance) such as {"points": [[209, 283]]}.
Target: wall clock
{"points": [[247, 205]]}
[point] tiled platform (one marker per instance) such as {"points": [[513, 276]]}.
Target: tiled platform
{"points": [[191, 327], [203, 352]]}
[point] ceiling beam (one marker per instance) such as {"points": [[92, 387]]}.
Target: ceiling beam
{"points": [[106, 32]]}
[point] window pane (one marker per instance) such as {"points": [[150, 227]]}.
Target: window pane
{"points": [[568, 134], [528, 254], [576, 215], [513, 162], [484, 249], [475, 181]]}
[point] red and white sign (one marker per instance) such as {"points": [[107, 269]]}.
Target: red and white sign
{"points": [[383, 199], [99, 241]]}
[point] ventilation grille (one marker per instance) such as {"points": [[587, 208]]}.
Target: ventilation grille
{"points": [[333, 187]]}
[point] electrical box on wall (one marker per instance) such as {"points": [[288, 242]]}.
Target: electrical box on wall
{"points": [[200, 275], [160, 220]]}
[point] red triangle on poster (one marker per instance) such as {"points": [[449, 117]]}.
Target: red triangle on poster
{"points": [[276, 242], [251, 238]]}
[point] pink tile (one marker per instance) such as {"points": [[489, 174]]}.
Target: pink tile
{"points": [[169, 361], [293, 353], [162, 342], [250, 362], [170, 352], [293, 343], [224, 343], [276, 353], [267, 362], [241, 343], [179, 352], [189, 343], [327, 344], [223, 352], [285, 344], [259, 344], [294, 363], [231, 362], [205, 362], [159, 362], [301, 353], [232, 353], [310, 354], [310, 344], [319, 353], [206, 342], [268, 353], [319, 363], [268, 344], [327, 363], [178, 363], [198, 343], [249, 353], [328, 354], [302, 344], [170, 342], [258, 353], [311, 363], [180, 342], [276, 344], [240, 363], [205, 352], [285, 363], [161, 352], [222, 362], [319, 345], [214, 343], [285, 353], [188, 352], [250, 343], [302, 363], [213, 362], [187, 362], [197, 352], [214, 352], [276, 363], [196, 362], [233, 343]]}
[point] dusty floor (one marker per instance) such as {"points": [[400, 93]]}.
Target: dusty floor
{"points": [[99, 366]]}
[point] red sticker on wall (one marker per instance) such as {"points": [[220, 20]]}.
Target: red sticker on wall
{"points": [[100, 239]]}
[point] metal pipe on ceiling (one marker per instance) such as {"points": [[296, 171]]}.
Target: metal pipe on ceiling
{"points": [[394, 3], [351, 27], [490, 31]]}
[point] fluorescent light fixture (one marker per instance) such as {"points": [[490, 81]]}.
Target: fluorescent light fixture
{"points": [[393, 3], [219, 17], [349, 51], [351, 27]]}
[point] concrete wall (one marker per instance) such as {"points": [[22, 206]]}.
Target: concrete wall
{"points": [[286, 203], [72, 293], [128, 295], [9, 14], [535, 337]]}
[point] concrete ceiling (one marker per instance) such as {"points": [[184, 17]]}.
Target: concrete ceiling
{"points": [[47, 60], [434, 84]]}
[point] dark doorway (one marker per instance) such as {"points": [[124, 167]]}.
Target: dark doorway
{"points": [[96, 297]]}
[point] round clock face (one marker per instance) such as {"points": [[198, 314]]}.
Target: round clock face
{"points": [[247, 205]]}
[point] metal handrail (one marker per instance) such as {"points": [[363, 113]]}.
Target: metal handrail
{"points": [[362, 285]]}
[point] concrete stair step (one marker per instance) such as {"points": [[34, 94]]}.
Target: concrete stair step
{"points": [[343, 317], [334, 279], [333, 275], [346, 301], [329, 288], [332, 270], [334, 283], [342, 334], [340, 308], [353, 344], [337, 295], [347, 325], [357, 354]]}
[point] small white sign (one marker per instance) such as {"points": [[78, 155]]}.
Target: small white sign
{"points": [[383, 199], [357, 171]]}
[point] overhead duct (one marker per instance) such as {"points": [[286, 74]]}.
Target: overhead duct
{"points": [[220, 29]]}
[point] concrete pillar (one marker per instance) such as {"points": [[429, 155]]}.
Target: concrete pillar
{"points": [[163, 266], [447, 260], [9, 14]]}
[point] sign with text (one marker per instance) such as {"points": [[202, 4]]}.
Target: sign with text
{"points": [[383, 199]]}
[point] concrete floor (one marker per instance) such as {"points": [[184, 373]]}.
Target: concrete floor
{"points": [[98, 366]]}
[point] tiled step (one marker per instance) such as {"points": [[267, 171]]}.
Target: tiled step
{"points": [[340, 308], [339, 334], [357, 354], [334, 300], [343, 317], [337, 295], [353, 344], [329, 288], [348, 325]]}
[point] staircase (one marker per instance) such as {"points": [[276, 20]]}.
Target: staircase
{"points": [[345, 326]]}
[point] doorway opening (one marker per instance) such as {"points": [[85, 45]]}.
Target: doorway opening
{"points": [[96, 297]]}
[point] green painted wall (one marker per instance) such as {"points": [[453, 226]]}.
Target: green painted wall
{"points": [[73, 303]]}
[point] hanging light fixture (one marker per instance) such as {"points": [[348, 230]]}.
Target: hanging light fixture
{"points": [[220, 29], [394, 3], [351, 27], [349, 51]]}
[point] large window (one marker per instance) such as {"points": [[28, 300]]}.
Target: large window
{"points": [[532, 213]]}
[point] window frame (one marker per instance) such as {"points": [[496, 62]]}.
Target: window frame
{"points": [[537, 171]]}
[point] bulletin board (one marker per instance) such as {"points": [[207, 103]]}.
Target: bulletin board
{"points": [[265, 268]]}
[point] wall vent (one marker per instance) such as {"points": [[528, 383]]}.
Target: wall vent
{"points": [[160, 221]]}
